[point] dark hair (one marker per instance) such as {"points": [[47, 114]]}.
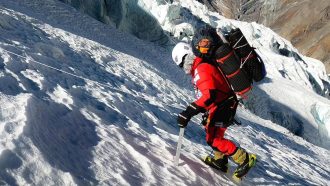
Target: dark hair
{"points": [[206, 32]]}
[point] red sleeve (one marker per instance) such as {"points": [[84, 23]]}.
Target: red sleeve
{"points": [[205, 83]]}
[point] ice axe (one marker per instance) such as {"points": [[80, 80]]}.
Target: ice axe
{"points": [[178, 148]]}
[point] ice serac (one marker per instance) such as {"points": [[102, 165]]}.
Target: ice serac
{"points": [[321, 113], [126, 15]]}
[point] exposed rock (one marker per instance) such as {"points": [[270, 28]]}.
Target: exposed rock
{"points": [[227, 8], [306, 24]]}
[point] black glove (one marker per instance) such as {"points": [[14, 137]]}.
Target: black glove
{"points": [[185, 116]]}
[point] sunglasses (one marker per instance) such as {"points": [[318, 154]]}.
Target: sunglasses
{"points": [[204, 46]]}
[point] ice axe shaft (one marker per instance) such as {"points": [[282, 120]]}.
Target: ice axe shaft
{"points": [[178, 148]]}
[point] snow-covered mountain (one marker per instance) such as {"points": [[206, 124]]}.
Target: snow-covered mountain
{"points": [[82, 103]]}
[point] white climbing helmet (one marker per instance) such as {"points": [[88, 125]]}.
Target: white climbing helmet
{"points": [[180, 51]]}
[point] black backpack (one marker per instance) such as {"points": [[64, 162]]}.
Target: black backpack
{"points": [[236, 60], [250, 60], [239, 62]]}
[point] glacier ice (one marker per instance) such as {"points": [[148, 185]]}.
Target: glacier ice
{"points": [[126, 15], [321, 113]]}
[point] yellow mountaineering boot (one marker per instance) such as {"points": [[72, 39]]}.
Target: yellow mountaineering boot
{"points": [[245, 162], [219, 161]]}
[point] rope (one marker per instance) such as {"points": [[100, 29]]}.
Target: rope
{"points": [[71, 74], [238, 41], [246, 59], [241, 46]]}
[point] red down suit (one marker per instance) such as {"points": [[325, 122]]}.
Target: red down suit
{"points": [[211, 90]]}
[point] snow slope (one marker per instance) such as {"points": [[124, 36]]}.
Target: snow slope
{"points": [[84, 104], [180, 18]]}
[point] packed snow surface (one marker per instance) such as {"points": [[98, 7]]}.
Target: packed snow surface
{"points": [[82, 103]]}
